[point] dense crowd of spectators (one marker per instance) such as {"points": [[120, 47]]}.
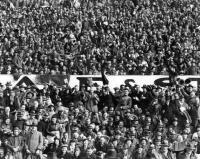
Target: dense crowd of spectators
{"points": [[77, 37], [94, 123]]}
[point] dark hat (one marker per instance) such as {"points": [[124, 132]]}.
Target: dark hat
{"points": [[8, 84], [143, 138], [64, 145], [54, 116], [165, 145], [190, 146], [116, 88], [144, 86], [40, 106], [32, 112], [16, 127], [190, 86], [46, 114], [99, 153], [34, 87]]}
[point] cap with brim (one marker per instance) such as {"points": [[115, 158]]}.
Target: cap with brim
{"points": [[99, 153], [16, 128], [8, 84], [190, 86], [46, 114], [32, 112], [64, 145], [144, 86], [54, 116], [165, 145]]}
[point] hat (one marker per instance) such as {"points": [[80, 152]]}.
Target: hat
{"points": [[190, 146], [99, 153], [32, 112], [46, 114], [54, 116], [165, 145], [64, 145], [40, 106], [116, 88], [143, 138], [190, 86], [144, 86], [8, 84], [16, 127]]}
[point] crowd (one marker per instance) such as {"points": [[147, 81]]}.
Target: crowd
{"points": [[130, 37], [95, 123]]}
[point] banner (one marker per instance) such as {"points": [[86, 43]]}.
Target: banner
{"points": [[78, 80], [129, 80], [34, 80]]}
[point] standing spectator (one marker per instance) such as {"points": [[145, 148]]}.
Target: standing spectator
{"points": [[15, 144], [92, 101], [34, 142]]}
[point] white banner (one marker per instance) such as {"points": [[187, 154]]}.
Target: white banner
{"points": [[114, 81]]}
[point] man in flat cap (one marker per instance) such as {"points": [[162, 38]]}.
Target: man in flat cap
{"points": [[34, 142], [125, 102]]}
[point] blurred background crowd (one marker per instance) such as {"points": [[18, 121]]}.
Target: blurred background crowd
{"points": [[132, 37]]}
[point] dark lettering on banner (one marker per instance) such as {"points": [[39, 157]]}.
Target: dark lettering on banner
{"points": [[195, 80], [128, 82], [83, 80], [160, 82]]}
